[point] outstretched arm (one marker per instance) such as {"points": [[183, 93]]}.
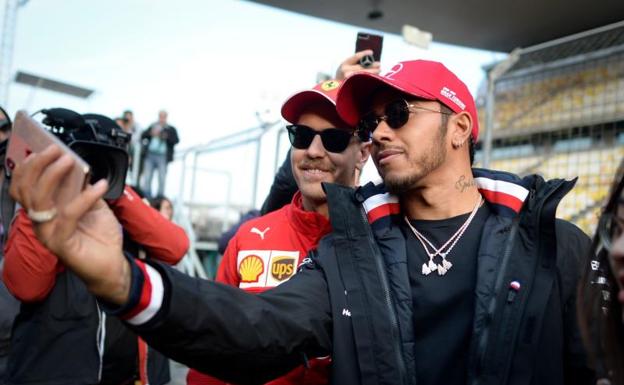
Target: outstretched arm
{"points": [[215, 328]]}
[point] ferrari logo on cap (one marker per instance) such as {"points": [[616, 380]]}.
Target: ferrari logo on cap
{"points": [[330, 85]]}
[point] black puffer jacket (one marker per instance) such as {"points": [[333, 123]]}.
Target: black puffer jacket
{"points": [[352, 299]]}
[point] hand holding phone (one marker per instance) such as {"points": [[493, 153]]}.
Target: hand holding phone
{"points": [[29, 136], [352, 64], [367, 41]]}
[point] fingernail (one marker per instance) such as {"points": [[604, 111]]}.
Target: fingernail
{"points": [[100, 184]]}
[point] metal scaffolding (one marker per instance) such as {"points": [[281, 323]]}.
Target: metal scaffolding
{"points": [[7, 42]]}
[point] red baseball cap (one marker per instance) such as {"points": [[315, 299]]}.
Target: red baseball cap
{"points": [[424, 79], [324, 91]]}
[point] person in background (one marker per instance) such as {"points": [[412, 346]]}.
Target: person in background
{"points": [[163, 205], [266, 251], [61, 334], [9, 306], [601, 290], [284, 186], [157, 147]]}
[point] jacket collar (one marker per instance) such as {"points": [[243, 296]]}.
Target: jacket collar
{"points": [[309, 223], [505, 192]]}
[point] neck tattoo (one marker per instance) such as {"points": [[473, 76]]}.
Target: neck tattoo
{"points": [[463, 183]]}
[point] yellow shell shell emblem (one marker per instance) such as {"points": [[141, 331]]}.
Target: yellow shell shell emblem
{"points": [[330, 85], [251, 268]]}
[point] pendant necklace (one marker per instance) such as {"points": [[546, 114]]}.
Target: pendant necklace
{"points": [[445, 266]]}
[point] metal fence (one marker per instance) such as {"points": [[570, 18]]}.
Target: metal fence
{"points": [[558, 110]]}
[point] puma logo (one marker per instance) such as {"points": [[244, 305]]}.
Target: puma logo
{"points": [[260, 233]]}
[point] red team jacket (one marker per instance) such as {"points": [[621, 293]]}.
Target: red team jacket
{"points": [[264, 253]]}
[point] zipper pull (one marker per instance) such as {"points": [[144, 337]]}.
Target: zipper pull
{"points": [[514, 288]]}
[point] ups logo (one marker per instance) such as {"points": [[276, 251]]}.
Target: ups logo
{"points": [[283, 268]]}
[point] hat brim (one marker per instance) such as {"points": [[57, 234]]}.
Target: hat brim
{"points": [[294, 105], [354, 95]]}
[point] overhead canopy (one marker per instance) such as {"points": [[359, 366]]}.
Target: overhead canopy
{"points": [[52, 85], [493, 25]]}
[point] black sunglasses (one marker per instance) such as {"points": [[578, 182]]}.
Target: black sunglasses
{"points": [[334, 139], [396, 114]]}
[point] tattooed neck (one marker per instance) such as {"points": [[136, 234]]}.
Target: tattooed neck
{"points": [[464, 183]]}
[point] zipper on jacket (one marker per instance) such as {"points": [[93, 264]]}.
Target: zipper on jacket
{"points": [[100, 338], [482, 345], [511, 297], [386, 292]]}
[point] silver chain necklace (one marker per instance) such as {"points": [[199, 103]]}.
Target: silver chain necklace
{"points": [[446, 265]]}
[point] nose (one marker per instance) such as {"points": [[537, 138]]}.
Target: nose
{"points": [[316, 148], [383, 132]]}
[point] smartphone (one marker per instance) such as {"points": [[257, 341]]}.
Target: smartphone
{"points": [[29, 136], [372, 42]]}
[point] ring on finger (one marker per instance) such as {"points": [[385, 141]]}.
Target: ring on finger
{"points": [[41, 216]]}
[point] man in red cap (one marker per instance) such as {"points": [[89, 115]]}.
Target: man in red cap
{"points": [[266, 251], [444, 274]]}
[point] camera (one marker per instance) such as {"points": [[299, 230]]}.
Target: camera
{"points": [[98, 140]]}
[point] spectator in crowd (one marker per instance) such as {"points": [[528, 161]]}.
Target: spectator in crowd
{"points": [[131, 126], [61, 335], [157, 144], [9, 306], [443, 274], [266, 251], [163, 205], [601, 292], [5, 125]]}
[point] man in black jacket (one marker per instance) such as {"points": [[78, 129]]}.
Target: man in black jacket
{"points": [[446, 274], [157, 145]]}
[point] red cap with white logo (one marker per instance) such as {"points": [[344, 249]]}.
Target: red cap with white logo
{"points": [[424, 79], [324, 91]]}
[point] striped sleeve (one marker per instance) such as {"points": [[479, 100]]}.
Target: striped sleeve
{"points": [[145, 298]]}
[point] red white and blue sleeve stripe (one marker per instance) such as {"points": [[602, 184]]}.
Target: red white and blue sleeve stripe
{"points": [[146, 295]]}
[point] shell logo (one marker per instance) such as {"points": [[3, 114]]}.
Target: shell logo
{"points": [[251, 268]]}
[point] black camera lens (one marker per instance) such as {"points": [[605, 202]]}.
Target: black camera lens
{"points": [[106, 162]]}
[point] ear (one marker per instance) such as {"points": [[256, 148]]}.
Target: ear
{"points": [[460, 127], [363, 154]]}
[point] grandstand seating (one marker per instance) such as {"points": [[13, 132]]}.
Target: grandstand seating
{"points": [[559, 112], [594, 168], [582, 94]]}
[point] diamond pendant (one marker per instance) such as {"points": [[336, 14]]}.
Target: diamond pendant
{"points": [[441, 270], [447, 265], [428, 267]]}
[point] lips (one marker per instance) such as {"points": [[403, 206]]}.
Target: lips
{"points": [[385, 156]]}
